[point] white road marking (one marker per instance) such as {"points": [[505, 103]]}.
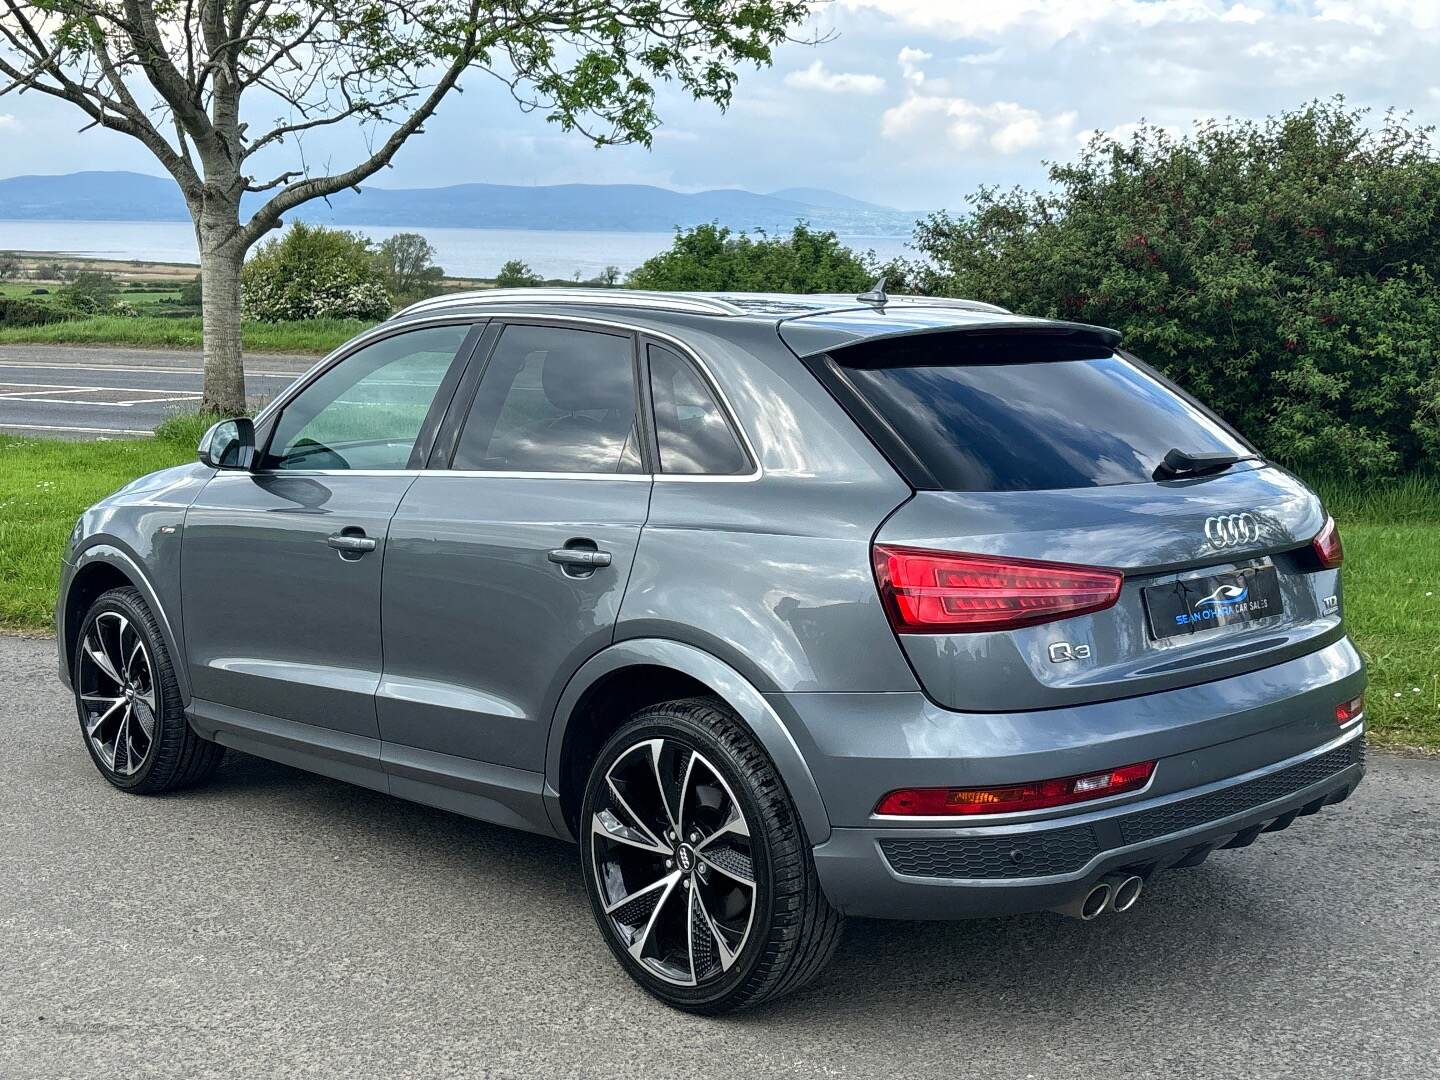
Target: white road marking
{"points": [[50, 388], [87, 430], [48, 364]]}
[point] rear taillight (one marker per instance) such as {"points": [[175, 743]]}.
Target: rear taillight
{"points": [[1347, 712], [1039, 795], [1328, 548], [940, 592]]}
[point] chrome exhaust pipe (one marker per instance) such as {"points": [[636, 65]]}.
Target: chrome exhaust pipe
{"points": [[1125, 891], [1088, 904]]}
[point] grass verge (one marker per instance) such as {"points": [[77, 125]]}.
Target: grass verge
{"points": [[1391, 534], [315, 336]]}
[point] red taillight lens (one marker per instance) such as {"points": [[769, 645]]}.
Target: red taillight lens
{"points": [[941, 592], [1040, 795], [1349, 711], [1328, 548]]}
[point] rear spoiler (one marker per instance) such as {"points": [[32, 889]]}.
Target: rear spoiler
{"points": [[821, 334]]}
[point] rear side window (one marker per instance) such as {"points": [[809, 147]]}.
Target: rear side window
{"points": [[690, 427], [554, 400], [989, 417]]}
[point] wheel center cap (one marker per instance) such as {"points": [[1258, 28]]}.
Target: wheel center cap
{"points": [[686, 857]]}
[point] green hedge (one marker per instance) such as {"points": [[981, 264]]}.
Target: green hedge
{"points": [[17, 312], [1284, 271]]}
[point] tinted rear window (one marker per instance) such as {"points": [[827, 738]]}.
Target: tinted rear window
{"points": [[1030, 425]]}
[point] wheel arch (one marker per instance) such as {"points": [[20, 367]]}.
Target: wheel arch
{"points": [[613, 684], [98, 569]]}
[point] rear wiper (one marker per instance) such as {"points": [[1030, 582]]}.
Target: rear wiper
{"points": [[1180, 463]]}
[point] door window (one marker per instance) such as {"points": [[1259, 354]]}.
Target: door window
{"points": [[554, 400], [690, 427], [366, 412]]}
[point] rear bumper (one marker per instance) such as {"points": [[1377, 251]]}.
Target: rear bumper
{"points": [[954, 873]]}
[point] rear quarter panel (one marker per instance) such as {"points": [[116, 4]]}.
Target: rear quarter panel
{"points": [[772, 575]]}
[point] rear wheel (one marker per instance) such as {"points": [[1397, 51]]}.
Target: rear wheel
{"points": [[129, 702], [697, 866]]}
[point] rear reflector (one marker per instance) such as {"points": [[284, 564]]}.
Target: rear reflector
{"points": [[1349, 711], [1328, 548], [943, 592], [1040, 795]]}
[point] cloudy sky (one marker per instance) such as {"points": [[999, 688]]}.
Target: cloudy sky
{"points": [[911, 103]]}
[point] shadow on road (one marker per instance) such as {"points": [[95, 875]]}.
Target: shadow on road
{"points": [[1193, 926]]}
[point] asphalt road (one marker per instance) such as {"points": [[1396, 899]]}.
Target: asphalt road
{"points": [[279, 924], [89, 392]]}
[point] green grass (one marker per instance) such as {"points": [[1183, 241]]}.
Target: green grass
{"points": [[1392, 601], [1391, 534], [314, 336], [44, 486]]}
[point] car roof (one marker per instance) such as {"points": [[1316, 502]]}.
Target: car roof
{"points": [[810, 323]]}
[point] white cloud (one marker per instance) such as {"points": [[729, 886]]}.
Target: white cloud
{"points": [[1003, 126], [1242, 13], [8, 122], [818, 77]]}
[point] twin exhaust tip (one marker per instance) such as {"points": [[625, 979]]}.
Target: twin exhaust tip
{"points": [[1115, 892]]}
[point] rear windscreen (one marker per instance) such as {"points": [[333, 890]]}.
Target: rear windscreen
{"points": [[1005, 424]]}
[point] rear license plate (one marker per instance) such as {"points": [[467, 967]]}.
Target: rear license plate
{"points": [[1192, 605]]}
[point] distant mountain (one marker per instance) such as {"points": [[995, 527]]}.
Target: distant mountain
{"points": [[830, 200], [128, 196]]}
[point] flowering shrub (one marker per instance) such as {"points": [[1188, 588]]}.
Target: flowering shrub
{"points": [[313, 273]]}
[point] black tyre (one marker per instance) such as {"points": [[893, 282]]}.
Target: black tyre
{"points": [[129, 704], [697, 865]]}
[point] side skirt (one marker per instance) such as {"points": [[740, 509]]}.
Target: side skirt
{"points": [[475, 789]]}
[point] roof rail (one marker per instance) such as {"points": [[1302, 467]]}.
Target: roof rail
{"points": [[686, 303]]}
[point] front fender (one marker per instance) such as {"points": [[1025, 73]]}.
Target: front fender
{"points": [[752, 707], [112, 553]]}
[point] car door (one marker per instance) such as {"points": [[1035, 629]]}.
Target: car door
{"points": [[506, 564], [281, 566]]}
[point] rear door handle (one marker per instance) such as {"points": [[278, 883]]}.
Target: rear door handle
{"points": [[346, 542], [585, 557]]}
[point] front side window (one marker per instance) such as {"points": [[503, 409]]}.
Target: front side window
{"points": [[366, 412], [554, 400], [690, 427]]}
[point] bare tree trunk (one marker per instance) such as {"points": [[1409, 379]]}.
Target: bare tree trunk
{"points": [[222, 254]]}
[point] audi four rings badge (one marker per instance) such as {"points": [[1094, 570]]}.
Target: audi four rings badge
{"points": [[1231, 530]]}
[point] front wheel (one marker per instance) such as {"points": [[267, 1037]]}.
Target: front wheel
{"points": [[131, 716], [697, 865]]}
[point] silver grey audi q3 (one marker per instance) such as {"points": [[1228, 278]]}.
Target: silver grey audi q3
{"points": [[785, 608]]}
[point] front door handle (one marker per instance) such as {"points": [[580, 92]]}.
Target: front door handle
{"points": [[587, 558], [349, 543]]}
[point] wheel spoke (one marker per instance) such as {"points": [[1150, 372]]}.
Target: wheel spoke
{"points": [[116, 655], [606, 824], [655, 747], [684, 791], [93, 726], [96, 652], [722, 946], [640, 823], [729, 871], [138, 650], [735, 826], [665, 882], [122, 738], [669, 882]]}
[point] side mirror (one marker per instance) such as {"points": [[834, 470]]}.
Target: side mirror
{"points": [[230, 444]]}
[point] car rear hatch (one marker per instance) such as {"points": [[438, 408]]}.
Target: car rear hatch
{"points": [[1037, 443]]}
